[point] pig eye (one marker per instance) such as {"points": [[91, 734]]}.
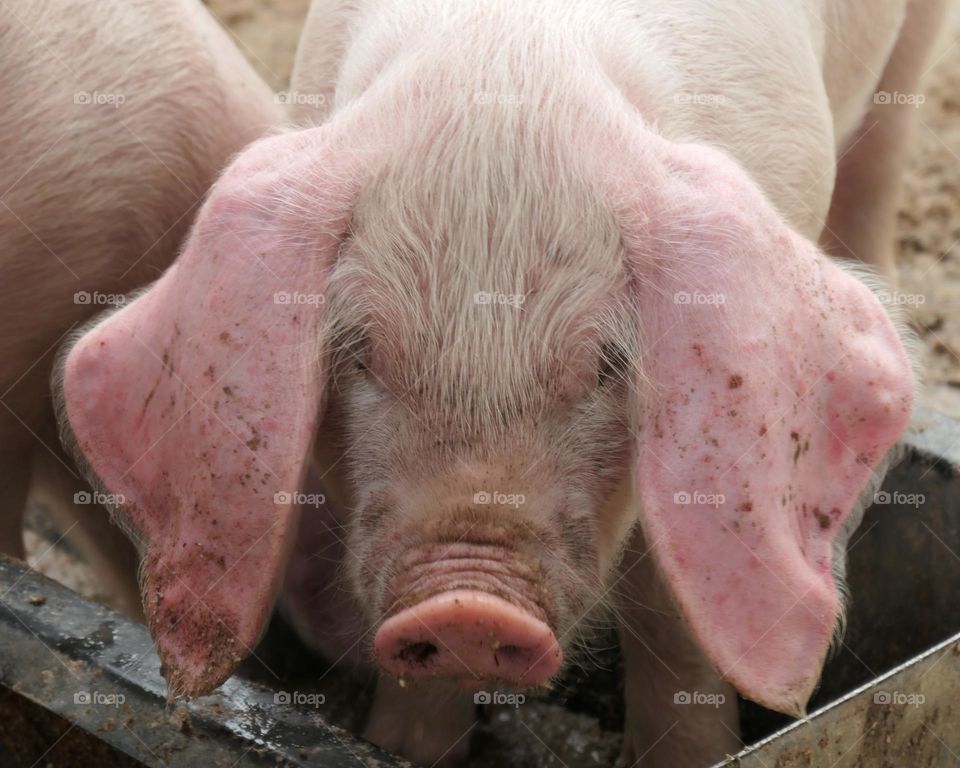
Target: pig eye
{"points": [[351, 350], [359, 363], [359, 360], [613, 365]]}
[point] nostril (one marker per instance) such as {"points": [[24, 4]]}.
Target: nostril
{"points": [[417, 653]]}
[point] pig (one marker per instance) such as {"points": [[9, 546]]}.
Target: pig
{"points": [[108, 149], [536, 314]]}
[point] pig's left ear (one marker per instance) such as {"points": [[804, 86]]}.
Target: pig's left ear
{"points": [[195, 405], [774, 384]]}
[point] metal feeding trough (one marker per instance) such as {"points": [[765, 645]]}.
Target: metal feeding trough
{"points": [[80, 685]]}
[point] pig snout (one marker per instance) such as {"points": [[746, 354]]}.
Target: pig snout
{"points": [[470, 614], [469, 635]]}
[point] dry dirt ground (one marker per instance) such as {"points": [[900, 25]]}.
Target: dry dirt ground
{"points": [[929, 221]]}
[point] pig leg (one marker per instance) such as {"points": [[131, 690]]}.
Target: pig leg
{"points": [[14, 483], [122, 113], [679, 713], [862, 218], [428, 723]]}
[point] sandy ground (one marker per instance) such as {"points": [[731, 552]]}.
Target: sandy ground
{"points": [[928, 227], [929, 221], [266, 31]]}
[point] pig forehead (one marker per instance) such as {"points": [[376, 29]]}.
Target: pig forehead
{"points": [[478, 259], [538, 305], [449, 344]]}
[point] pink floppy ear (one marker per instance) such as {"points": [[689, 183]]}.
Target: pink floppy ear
{"points": [[195, 405], [774, 384]]}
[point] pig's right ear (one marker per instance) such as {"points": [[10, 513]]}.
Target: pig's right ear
{"points": [[195, 405], [775, 384]]}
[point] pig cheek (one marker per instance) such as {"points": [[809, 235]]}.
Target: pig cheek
{"points": [[615, 521], [373, 545]]}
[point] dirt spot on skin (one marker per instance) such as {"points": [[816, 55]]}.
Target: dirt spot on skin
{"points": [[736, 381], [149, 397]]}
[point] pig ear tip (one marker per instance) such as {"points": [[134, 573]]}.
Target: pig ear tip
{"points": [[185, 687], [797, 709]]}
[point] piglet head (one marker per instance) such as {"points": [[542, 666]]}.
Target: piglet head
{"points": [[476, 430], [196, 403]]}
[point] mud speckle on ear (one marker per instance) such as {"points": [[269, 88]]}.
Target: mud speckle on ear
{"points": [[823, 520]]}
